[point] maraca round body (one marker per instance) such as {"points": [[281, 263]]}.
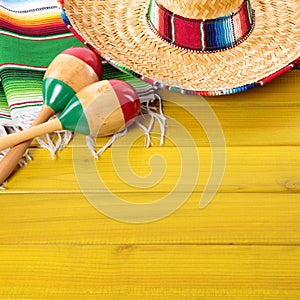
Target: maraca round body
{"points": [[101, 109], [68, 73]]}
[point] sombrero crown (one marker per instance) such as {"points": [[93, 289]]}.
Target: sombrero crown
{"points": [[203, 26], [207, 47]]}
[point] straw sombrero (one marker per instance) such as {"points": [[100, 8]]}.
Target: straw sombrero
{"points": [[205, 47]]}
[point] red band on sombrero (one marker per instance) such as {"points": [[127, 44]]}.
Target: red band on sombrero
{"points": [[201, 35]]}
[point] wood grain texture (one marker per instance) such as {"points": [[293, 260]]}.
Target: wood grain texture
{"points": [[231, 218], [149, 271], [248, 169], [54, 244]]}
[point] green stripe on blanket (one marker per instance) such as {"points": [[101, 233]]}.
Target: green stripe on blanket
{"points": [[4, 110], [37, 53]]}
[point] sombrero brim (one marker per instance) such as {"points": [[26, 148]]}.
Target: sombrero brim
{"points": [[119, 32]]}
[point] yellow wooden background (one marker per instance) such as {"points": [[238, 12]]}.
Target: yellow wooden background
{"points": [[244, 245]]}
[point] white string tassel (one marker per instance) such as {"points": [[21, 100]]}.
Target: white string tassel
{"points": [[159, 116], [91, 143], [2, 131], [48, 144], [63, 139], [67, 136], [147, 130], [162, 121], [111, 141]]}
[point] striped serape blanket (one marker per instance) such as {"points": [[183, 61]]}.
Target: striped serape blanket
{"points": [[32, 33]]}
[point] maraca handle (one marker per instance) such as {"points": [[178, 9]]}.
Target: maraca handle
{"points": [[30, 133], [11, 159]]}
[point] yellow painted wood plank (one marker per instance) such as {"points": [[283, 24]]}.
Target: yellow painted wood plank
{"points": [[240, 125], [240, 219], [248, 169], [152, 271]]}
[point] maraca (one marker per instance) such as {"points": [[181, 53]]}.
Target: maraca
{"points": [[72, 70], [68, 73], [100, 109]]}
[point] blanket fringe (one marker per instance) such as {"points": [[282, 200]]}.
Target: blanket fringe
{"points": [[156, 114], [90, 141], [55, 142]]}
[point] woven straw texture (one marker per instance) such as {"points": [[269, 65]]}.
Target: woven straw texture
{"points": [[201, 9], [119, 31]]}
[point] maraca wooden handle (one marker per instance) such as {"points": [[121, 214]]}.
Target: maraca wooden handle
{"points": [[30, 133], [11, 159]]}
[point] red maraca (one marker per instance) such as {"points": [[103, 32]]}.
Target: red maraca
{"points": [[100, 109], [69, 72]]}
